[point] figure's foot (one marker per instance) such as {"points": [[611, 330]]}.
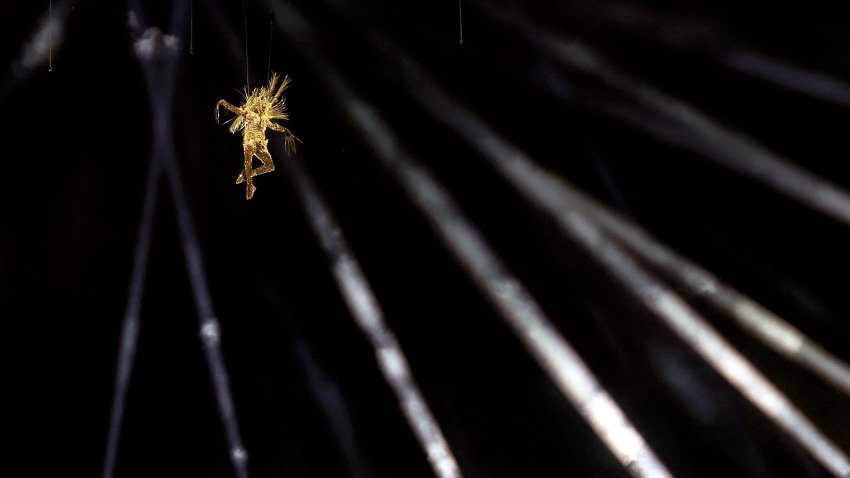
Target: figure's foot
{"points": [[249, 191], [241, 177]]}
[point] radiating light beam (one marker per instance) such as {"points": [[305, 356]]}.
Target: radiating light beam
{"points": [[510, 298], [551, 194], [367, 313]]}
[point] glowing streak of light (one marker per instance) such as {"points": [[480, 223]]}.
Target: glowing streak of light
{"points": [[550, 193], [684, 125], [364, 307], [521, 312]]}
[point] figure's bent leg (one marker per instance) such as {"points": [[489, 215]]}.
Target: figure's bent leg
{"points": [[267, 167], [268, 164], [247, 174], [247, 150]]}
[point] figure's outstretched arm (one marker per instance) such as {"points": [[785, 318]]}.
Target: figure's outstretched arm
{"points": [[228, 106], [278, 128], [290, 142], [289, 138]]}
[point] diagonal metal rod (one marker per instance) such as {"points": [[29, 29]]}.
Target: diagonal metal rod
{"points": [[763, 324], [209, 328], [552, 195], [791, 77], [130, 324], [367, 313], [332, 402], [468, 246], [520, 171], [771, 329], [682, 124], [157, 55], [694, 34], [364, 307]]}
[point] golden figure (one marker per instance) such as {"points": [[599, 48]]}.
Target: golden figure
{"points": [[260, 107]]}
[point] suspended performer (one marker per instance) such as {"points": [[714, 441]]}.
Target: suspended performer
{"points": [[257, 113]]}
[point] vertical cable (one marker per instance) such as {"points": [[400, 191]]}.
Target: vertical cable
{"points": [[191, 27], [247, 69], [271, 31], [460, 19], [50, 40]]}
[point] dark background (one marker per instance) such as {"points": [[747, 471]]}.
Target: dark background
{"points": [[311, 402]]}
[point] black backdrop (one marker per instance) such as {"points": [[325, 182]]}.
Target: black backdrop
{"points": [[310, 400]]}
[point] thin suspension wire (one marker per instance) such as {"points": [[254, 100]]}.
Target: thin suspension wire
{"points": [[271, 31], [367, 313], [471, 250], [365, 309], [50, 39], [247, 68], [191, 27], [460, 19], [226, 29], [37, 51], [547, 192]]}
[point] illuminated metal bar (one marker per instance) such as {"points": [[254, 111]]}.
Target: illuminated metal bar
{"points": [[551, 194], [367, 313], [157, 54], [675, 121], [468, 246]]}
